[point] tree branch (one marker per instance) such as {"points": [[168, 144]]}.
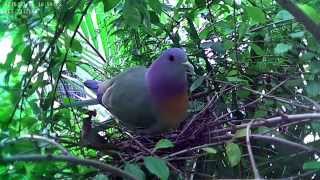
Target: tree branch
{"points": [[271, 121], [37, 138], [70, 159], [276, 140], [252, 161]]}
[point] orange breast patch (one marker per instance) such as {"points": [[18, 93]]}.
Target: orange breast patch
{"points": [[174, 110]]}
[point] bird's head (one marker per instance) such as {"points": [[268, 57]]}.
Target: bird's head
{"points": [[167, 76]]}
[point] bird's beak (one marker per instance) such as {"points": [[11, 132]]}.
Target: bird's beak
{"points": [[189, 68]]}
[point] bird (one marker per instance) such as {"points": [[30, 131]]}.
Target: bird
{"points": [[148, 100]]}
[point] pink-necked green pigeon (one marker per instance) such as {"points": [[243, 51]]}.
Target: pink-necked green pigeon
{"points": [[149, 100]]}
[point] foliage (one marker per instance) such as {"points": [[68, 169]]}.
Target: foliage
{"points": [[253, 61]]}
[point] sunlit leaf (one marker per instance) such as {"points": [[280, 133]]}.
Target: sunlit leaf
{"points": [[255, 14], [210, 150], [311, 165], [313, 88], [299, 34], [135, 170], [196, 84], [282, 48], [100, 177], [310, 11], [164, 143], [157, 167], [284, 15], [233, 153]]}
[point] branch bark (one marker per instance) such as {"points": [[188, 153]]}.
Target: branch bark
{"points": [[70, 159]]}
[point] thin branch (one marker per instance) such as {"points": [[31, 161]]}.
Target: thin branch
{"points": [[316, 105], [272, 121], [204, 109], [273, 24], [276, 140], [250, 153], [35, 138], [267, 95], [191, 149], [92, 47], [70, 159]]}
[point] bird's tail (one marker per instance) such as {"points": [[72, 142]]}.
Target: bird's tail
{"points": [[93, 85], [80, 103]]}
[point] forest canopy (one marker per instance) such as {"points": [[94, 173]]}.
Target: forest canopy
{"points": [[254, 96]]}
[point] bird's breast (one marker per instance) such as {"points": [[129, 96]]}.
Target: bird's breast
{"points": [[174, 109]]}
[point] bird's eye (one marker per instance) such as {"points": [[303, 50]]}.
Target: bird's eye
{"points": [[171, 58]]}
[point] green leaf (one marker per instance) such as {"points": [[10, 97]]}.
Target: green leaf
{"points": [[241, 133], [26, 53], [132, 17], [47, 101], [255, 14], [263, 130], [10, 58], [71, 66], [74, 22], [62, 115], [261, 66], [92, 31], [3, 169], [6, 109], [154, 18], [297, 35], [283, 15], [109, 4], [307, 56], [197, 83], [21, 146], [282, 48], [164, 143], [316, 125], [315, 67], [236, 80], [155, 5], [228, 44], [200, 3], [135, 170], [100, 177], [233, 153], [310, 11], [18, 36], [258, 50], [76, 45], [218, 47], [243, 93], [311, 165], [313, 88], [3, 29], [243, 29], [233, 73], [27, 122], [210, 150], [260, 113], [104, 28], [157, 167]]}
